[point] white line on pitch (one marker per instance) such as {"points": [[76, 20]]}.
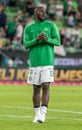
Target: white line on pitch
{"points": [[27, 117], [15, 116], [74, 112], [52, 110]]}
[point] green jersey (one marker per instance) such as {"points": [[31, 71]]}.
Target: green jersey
{"points": [[41, 52]]}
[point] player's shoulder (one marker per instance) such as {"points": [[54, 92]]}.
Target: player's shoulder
{"points": [[29, 25], [50, 23]]}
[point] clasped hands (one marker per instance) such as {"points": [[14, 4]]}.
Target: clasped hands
{"points": [[42, 36]]}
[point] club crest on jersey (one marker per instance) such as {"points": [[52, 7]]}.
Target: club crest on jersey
{"points": [[45, 29]]}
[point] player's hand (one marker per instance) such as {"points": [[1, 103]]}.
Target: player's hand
{"points": [[42, 36], [38, 38]]}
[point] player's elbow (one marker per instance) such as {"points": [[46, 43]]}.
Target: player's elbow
{"points": [[58, 42], [25, 45]]}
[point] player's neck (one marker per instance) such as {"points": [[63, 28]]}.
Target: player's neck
{"points": [[40, 20]]}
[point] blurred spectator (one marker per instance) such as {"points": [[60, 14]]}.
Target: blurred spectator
{"points": [[19, 31], [8, 44], [71, 21], [3, 38], [1, 59], [81, 43], [15, 20], [80, 21], [13, 3], [66, 34], [75, 37], [4, 2], [59, 10], [69, 2], [1, 42], [80, 6], [74, 4], [16, 44], [20, 15], [3, 17], [65, 5], [62, 37], [10, 28], [52, 9], [2, 32], [29, 20], [29, 7], [72, 11]]}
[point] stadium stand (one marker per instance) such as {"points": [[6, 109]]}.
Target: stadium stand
{"points": [[67, 15]]}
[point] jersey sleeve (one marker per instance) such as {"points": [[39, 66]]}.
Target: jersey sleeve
{"points": [[55, 37], [26, 40]]}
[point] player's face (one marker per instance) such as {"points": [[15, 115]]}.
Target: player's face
{"points": [[40, 13]]}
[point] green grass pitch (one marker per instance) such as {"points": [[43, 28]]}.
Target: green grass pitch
{"points": [[64, 111]]}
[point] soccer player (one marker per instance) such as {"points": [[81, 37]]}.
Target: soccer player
{"points": [[41, 37]]}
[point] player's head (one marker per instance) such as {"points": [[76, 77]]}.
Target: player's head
{"points": [[40, 13]]}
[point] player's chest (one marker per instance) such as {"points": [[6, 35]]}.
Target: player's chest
{"points": [[39, 29]]}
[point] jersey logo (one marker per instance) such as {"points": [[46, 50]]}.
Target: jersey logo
{"points": [[45, 29]]}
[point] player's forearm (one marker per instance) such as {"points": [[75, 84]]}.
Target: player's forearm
{"points": [[29, 44], [54, 42]]}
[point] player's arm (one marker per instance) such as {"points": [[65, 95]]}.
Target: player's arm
{"points": [[28, 43], [55, 37]]}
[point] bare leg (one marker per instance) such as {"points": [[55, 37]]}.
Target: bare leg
{"points": [[36, 102], [45, 93], [45, 100], [36, 95]]}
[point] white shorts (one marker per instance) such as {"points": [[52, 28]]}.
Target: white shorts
{"points": [[39, 75]]}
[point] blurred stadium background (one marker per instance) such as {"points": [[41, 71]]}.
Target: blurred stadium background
{"points": [[16, 14], [65, 106]]}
